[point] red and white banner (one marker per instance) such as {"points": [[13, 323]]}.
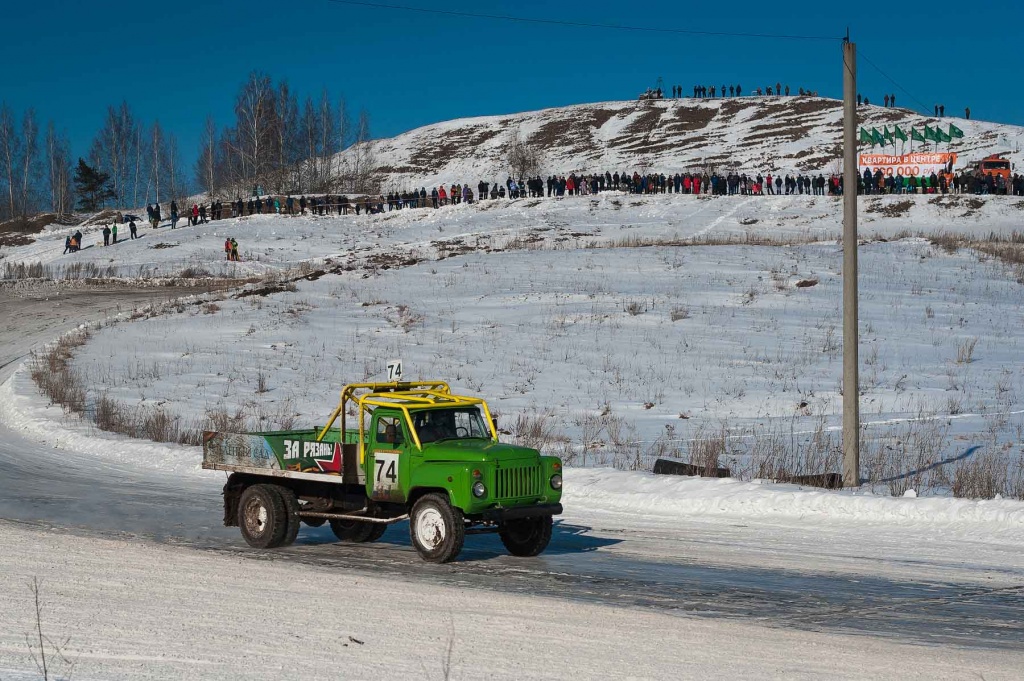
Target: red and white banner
{"points": [[907, 164]]}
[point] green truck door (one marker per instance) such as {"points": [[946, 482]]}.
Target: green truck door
{"points": [[387, 458]]}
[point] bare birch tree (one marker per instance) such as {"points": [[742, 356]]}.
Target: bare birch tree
{"points": [[8, 155], [255, 111], [206, 164], [28, 170], [58, 166]]}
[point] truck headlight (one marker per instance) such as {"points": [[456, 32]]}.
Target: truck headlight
{"points": [[479, 490], [556, 481]]}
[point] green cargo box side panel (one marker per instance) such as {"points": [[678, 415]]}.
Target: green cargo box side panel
{"points": [[295, 453]]}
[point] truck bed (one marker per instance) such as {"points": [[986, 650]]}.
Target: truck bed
{"points": [[286, 453]]}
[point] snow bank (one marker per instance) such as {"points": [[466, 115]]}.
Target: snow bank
{"points": [[660, 496], [24, 410]]}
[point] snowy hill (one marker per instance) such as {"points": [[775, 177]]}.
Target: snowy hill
{"points": [[753, 134]]}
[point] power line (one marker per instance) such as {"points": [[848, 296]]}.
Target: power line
{"points": [[924, 107], [581, 24]]}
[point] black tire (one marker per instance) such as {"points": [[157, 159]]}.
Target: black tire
{"points": [[262, 517], [437, 529], [376, 531], [291, 509], [356, 531], [527, 537]]}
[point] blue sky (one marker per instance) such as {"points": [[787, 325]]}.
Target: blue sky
{"points": [[179, 62]]}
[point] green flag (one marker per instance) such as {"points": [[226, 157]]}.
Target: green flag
{"points": [[886, 135], [941, 136], [929, 134], [864, 136], [955, 131], [916, 136], [876, 137], [900, 135]]}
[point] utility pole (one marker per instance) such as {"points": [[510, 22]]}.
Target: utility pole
{"points": [[851, 379]]}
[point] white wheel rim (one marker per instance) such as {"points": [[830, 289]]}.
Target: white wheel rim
{"points": [[256, 517], [430, 528]]}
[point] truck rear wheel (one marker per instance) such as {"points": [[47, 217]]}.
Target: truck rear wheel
{"points": [[291, 514], [262, 517], [438, 530], [527, 537], [356, 531]]}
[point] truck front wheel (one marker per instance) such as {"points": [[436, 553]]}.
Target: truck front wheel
{"points": [[262, 517], [527, 537], [438, 530]]}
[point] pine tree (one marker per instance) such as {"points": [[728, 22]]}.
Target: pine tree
{"points": [[93, 186]]}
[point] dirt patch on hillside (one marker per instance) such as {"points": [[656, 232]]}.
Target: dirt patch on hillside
{"points": [[891, 210], [691, 118], [812, 106], [452, 145], [643, 124], [780, 134]]}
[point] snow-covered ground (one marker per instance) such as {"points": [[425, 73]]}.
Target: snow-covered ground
{"points": [[271, 244], [138, 611], [618, 353]]}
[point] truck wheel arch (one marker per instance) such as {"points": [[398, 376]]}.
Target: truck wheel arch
{"points": [[416, 493]]}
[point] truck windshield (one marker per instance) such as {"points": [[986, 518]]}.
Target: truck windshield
{"points": [[997, 165], [447, 424]]}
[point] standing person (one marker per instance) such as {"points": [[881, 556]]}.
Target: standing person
{"points": [[67, 244], [886, 100], [106, 235], [942, 110], [227, 248], [202, 213], [113, 233], [967, 113], [156, 215], [234, 249], [302, 205], [174, 215], [195, 214], [131, 228]]}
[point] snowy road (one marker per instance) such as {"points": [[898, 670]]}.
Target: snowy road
{"points": [[884, 583]]}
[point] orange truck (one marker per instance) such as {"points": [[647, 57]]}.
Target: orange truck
{"points": [[996, 164]]}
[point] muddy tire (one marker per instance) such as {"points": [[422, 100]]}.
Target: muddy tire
{"points": [[291, 510], [527, 537], [357, 532], [437, 529], [262, 517]]}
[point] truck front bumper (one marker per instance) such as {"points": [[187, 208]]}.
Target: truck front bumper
{"points": [[519, 512]]}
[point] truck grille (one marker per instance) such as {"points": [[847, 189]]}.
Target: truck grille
{"points": [[517, 483]]}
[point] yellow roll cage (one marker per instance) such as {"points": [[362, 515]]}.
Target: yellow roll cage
{"points": [[403, 395]]}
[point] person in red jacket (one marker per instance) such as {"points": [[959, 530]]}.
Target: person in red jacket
{"points": [[443, 195], [195, 214], [227, 248]]}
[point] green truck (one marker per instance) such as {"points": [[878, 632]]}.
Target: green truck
{"points": [[418, 453]]}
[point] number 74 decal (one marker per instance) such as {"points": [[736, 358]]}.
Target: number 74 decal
{"points": [[385, 472]]}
